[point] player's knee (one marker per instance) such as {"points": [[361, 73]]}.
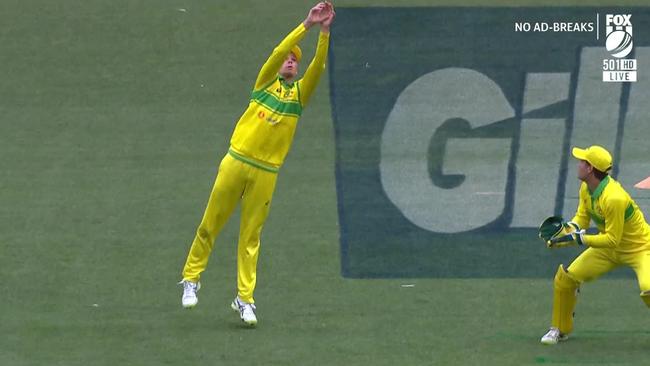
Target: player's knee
{"points": [[645, 296], [564, 281]]}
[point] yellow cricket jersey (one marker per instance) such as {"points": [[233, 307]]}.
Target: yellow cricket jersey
{"points": [[264, 132], [620, 222]]}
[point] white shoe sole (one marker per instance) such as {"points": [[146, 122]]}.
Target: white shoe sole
{"points": [[235, 308], [189, 306], [552, 342]]}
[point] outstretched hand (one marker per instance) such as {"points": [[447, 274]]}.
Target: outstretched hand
{"points": [[325, 25], [318, 14]]}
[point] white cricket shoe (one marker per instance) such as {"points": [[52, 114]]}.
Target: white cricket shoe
{"points": [[246, 311], [553, 336], [189, 299]]}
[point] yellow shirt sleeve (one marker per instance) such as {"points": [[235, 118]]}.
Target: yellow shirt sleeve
{"points": [[614, 213], [582, 216], [310, 79], [270, 69]]}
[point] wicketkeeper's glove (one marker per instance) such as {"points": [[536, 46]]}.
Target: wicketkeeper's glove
{"points": [[557, 233]]}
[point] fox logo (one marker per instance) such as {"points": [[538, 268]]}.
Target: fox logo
{"points": [[618, 30]]}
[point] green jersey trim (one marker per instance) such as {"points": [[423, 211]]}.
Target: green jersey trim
{"points": [[597, 219], [252, 162], [276, 105], [599, 190], [629, 211]]}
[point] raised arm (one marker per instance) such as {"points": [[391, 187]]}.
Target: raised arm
{"points": [[311, 77], [271, 67]]}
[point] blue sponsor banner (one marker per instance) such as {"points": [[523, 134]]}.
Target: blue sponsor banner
{"points": [[454, 125]]}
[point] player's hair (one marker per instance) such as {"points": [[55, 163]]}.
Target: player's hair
{"points": [[599, 175]]}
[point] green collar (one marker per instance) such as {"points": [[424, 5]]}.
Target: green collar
{"points": [[601, 187], [284, 83]]}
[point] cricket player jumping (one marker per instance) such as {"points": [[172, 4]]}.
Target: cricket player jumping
{"points": [[623, 238], [258, 146]]}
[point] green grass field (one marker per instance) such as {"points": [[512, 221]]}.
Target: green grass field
{"points": [[113, 118]]}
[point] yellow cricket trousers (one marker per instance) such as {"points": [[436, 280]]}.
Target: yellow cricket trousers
{"points": [[589, 265], [594, 262], [236, 180]]}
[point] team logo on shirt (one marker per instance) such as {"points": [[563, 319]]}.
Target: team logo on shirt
{"points": [[272, 120], [269, 119]]}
